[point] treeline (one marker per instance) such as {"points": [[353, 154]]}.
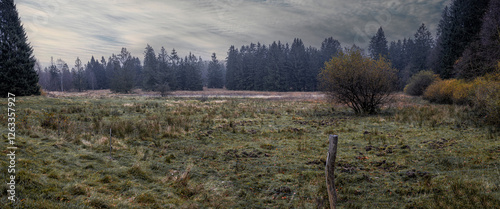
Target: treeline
{"points": [[467, 44], [278, 67], [408, 56], [123, 72]]}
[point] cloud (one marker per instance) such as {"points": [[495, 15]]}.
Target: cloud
{"points": [[75, 28]]}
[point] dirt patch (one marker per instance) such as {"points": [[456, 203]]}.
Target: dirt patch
{"points": [[281, 190], [232, 153], [345, 167], [384, 150], [317, 162], [440, 143], [386, 166], [415, 174]]}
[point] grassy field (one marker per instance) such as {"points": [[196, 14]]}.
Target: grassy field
{"points": [[246, 153]]}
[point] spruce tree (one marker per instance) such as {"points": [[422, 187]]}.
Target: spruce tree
{"points": [[490, 35], [395, 55], [459, 27], [174, 65], [232, 68], [297, 65], [99, 73], [247, 68], [378, 45], [150, 74], [17, 73], [79, 80], [165, 74], [54, 77], [481, 56], [274, 64], [422, 47], [260, 67], [330, 48], [123, 70], [215, 79]]}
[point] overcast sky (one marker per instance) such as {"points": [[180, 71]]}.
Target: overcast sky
{"points": [[68, 29]]}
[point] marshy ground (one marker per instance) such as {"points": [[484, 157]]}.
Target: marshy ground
{"points": [[223, 152]]}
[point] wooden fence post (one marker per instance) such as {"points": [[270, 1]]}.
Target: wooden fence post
{"points": [[110, 148], [330, 170]]}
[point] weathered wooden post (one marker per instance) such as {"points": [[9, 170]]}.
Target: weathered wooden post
{"points": [[330, 170], [110, 148]]}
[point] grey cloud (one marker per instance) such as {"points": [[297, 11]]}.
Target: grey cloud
{"points": [[68, 29]]}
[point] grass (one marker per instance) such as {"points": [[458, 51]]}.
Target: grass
{"points": [[247, 153]]}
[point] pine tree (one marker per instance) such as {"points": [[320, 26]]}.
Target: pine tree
{"points": [[297, 65], [330, 48], [165, 74], [150, 74], [260, 67], [136, 72], [274, 64], [182, 74], [396, 55], [481, 56], [17, 73], [110, 70], [79, 76], [459, 26], [378, 45], [285, 77], [423, 45], [90, 74], [248, 67], [192, 73], [232, 68], [490, 36], [99, 72], [123, 70], [174, 65], [408, 55], [67, 78], [54, 76], [215, 79], [315, 63]]}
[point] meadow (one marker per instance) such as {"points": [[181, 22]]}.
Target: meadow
{"points": [[206, 152]]}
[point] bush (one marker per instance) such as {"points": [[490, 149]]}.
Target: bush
{"points": [[419, 82], [482, 94], [486, 98], [463, 92], [360, 82], [441, 91]]}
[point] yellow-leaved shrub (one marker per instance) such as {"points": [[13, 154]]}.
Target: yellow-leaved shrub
{"points": [[441, 91], [482, 94]]}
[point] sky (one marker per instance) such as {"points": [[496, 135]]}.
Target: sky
{"points": [[67, 29]]}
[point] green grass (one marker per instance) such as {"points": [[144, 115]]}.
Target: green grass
{"points": [[247, 153]]}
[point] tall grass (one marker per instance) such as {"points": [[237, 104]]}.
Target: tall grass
{"points": [[240, 153]]}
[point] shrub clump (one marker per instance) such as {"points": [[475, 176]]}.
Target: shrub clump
{"points": [[482, 94], [450, 91], [419, 82], [358, 81], [486, 100]]}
